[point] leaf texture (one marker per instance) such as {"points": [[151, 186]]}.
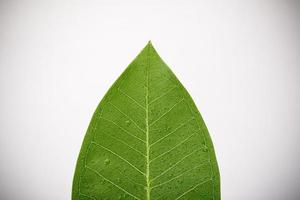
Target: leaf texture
{"points": [[147, 140]]}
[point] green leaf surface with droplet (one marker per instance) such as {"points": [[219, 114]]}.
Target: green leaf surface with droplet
{"points": [[147, 140]]}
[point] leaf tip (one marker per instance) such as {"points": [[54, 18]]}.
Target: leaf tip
{"points": [[150, 45]]}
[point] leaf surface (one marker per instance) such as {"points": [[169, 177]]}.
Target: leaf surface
{"points": [[147, 140]]}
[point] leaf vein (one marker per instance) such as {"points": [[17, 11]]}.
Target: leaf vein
{"points": [[192, 188], [174, 178], [174, 165], [131, 98], [127, 117], [88, 196], [170, 150], [111, 182], [167, 92], [123, 142], [114, 153], [123, 129], [183, 124], [166, 112], [148, 192]]}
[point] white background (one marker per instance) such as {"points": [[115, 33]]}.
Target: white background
{"points": [[238, 59]]}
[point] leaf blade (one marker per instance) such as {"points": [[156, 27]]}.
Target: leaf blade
{"points": [[151, 140]]}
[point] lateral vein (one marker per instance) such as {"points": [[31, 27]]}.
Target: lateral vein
{"points": [[118, 109], [99, 145], [117, 186]]}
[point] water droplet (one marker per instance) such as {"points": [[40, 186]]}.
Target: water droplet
{"points": [[167, 128], [106, 161], [128, 122]]}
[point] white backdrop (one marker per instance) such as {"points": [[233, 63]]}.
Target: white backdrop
{"points": [[238, 59]]}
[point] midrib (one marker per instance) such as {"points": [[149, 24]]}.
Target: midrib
{"points": [[147, 129]]}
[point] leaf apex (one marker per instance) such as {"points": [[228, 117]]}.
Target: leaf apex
{"points": [[149, 44]]}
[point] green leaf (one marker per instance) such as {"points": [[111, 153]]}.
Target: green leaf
{"points": [[147, 140]]}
